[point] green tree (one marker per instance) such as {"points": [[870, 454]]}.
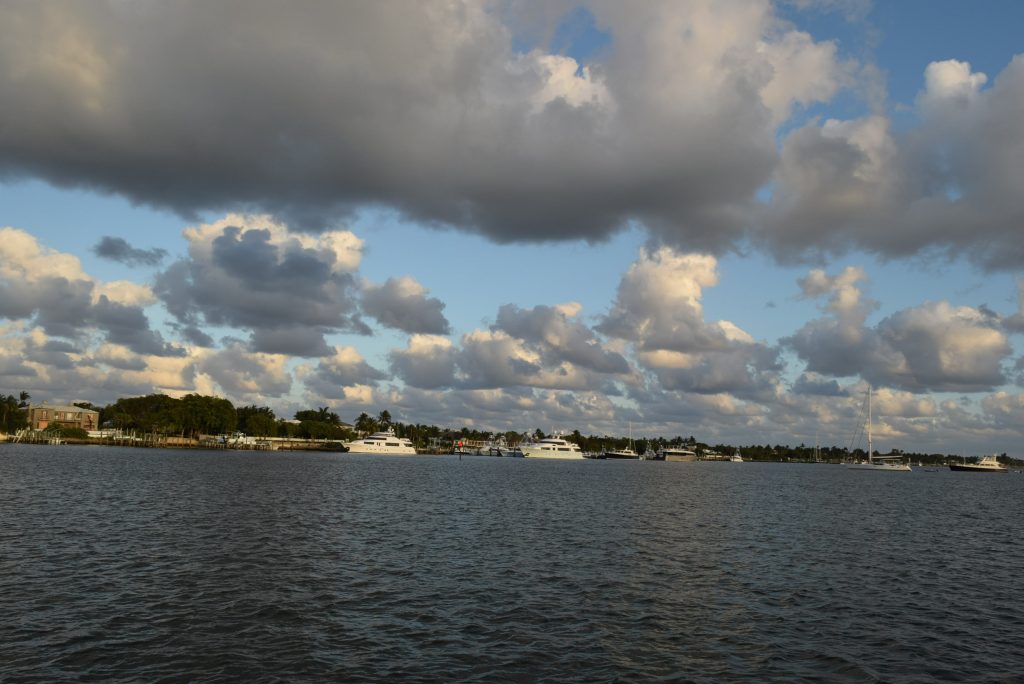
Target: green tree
{"points": [[365, 424], [14, 412], [256, 420]]}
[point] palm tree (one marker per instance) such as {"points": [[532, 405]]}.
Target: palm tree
{"points": [[384, 418], [365, 424]]}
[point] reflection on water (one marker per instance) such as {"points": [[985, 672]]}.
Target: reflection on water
{"points": [[122, 564]]}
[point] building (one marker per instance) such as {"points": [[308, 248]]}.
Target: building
{"points": [[45, 415]]}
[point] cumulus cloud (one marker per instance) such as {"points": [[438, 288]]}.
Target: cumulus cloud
{"points": [[247, 376], [951, 182], [436, 111], [658, 309], [250, 272], [932, 347], [343, 374], [118, 249], [50, 287], [428, 362], [560, 336], [402, 303]]}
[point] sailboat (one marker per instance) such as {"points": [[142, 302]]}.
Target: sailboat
{"points": [[892, 463], [623, 453]]}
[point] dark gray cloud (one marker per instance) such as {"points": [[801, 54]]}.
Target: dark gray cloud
{"points": [[129, 326], [432, 111], [288, 291], [58, 304], [815, 385], [118, 249], [402, 303], [50, 289]]}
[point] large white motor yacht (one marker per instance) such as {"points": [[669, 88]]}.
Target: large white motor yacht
{"points": [[552, 447], [677, 454], [382, 443]]}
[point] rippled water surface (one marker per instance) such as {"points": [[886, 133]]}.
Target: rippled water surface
{"points": [[147, 565]]}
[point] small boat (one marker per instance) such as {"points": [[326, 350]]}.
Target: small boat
{"points": [[626, 453], [384, 443], [988, 464], [889, 463], [620, 454], [736, 458]]}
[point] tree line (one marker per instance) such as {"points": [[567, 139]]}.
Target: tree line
{"points": [[195, 414]]}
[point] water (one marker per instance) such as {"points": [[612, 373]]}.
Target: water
{"points": [[150, 565]]}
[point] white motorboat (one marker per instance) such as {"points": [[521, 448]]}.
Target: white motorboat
{"points": [[677, 454], [890, 463], [552, 447], [736, 458], [987, 464], [386, 443]]}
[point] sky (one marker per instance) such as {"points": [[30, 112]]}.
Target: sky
{"points": [[709, 218]]}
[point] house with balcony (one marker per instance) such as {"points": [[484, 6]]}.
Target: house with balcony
{"points": [[50, 415]]}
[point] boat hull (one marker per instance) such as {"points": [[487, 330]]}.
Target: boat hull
{"points": [[680, 458], [968, 468], [620, 455], [354, 448], [531, 452], [896, 468]]}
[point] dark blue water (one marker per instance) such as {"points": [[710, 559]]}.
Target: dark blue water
{"points": [[150, 565]]}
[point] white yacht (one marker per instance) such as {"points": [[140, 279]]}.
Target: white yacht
{"points": [[987, 464], [552, 447], [677, 454], [382, 443], [736, 457], [890, 463]]}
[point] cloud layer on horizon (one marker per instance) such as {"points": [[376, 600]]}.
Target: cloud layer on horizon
{"points": [[652, 358]]}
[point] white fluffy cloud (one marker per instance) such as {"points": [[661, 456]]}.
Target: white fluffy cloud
{"points": [[658, 309], [932, 347], [950, 182]]}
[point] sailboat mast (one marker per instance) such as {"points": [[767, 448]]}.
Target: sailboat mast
{"points": [[870, 458]]}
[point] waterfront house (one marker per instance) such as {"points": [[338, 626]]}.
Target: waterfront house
{"points": [[47, 415]]}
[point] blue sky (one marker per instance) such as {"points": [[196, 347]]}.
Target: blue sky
{"points": [[715, 219]]}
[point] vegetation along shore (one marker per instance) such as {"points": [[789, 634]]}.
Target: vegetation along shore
{"points": [[198, 421]]}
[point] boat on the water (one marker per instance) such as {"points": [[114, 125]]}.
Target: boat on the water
{"points": [[677, 454], [626, 453], [553, 448], [620, 453], [987, 464], [889, 463], [736, 458], [386, 443]]}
